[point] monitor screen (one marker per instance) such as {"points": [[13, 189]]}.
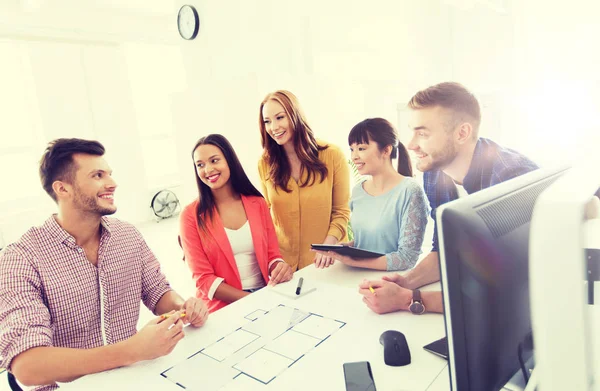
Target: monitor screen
{"points": [[484, 243]]}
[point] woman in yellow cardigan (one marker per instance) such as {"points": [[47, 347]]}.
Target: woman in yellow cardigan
{"points": [[306, 182]]}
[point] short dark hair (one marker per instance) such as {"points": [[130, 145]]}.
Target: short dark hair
{"points": [[452, 96], [57, 162]]}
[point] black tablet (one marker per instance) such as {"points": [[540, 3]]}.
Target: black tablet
{"points": [[346, 250], [439, 347]]}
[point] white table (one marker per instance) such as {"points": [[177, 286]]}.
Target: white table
{"points": [[321, 369]]}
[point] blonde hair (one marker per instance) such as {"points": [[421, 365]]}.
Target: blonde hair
{"points": [[452, 96]]}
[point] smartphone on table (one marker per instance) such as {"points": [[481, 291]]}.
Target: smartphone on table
{"points": [[358, 376]]}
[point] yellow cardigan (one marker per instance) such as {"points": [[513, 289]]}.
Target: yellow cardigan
{"points": [[308, 214]]}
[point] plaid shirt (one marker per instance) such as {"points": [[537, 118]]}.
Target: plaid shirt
{"points": [[491, 164], [51, 295]]}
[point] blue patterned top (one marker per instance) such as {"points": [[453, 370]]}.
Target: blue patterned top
{"points": [[392, 223], [491, 164]]}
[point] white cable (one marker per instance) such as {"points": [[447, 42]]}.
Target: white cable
{"points": [[532, 383]]}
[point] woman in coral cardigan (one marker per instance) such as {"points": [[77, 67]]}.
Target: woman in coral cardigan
{"points": [[227, 234], [306, 182]]}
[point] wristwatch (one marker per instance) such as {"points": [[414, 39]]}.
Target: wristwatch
{"points": [[416, 305]]}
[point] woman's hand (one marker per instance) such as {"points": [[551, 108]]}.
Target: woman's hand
{"points": [[346, 260], [323, 259], [280, 272]]}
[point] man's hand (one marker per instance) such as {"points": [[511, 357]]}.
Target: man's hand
{"points": [[280, 272], [397, 279], [196, 312], [158, 337], [386, 296]]}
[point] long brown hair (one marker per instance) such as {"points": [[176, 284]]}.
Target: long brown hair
{"points": [[237, 177], [305, 144], [382, 132]]}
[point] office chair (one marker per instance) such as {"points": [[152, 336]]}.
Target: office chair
{"points": [[12, 382]]}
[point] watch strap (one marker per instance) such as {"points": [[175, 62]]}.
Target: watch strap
{"points": [[416, 306], [417, 296]]}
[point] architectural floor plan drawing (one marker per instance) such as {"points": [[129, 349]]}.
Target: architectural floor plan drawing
{"points": [[259, 351]]}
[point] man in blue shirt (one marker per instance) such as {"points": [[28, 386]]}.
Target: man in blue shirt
{"points": [[445, 122]]}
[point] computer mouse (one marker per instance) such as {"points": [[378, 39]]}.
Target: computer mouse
{"points": [[395, 348]]}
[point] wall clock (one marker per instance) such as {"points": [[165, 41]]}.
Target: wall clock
{"points": [[188, 22]]}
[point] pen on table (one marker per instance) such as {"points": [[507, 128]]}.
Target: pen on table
{"points": [[165, 316], [299, 287], [371, 289]]}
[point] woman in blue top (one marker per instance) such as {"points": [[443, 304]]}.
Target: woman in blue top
{"points": [[389, 210]]}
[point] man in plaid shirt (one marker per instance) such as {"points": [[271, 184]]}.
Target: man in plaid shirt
{"points": [[456, 161], [70, 289]]}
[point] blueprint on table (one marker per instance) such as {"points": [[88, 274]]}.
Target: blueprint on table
{"points": [[270, 343]]}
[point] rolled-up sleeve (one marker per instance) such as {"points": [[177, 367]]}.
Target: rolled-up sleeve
{"points": [[154, 282], [340, 209], [25, 321]]}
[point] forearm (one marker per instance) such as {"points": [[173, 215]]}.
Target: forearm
{"points": [[379, 263], [432, 301], [168, 302], [330, 239], [46, 365], [592, 209], [426, 272], [229, 294]]}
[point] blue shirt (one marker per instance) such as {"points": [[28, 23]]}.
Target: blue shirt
{"points": [[392, 223], [491, 164]]}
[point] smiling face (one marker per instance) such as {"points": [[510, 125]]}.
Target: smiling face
{"points": [[277, 123], [368, 158], [93, 187], [211, 166], [432, 142]]}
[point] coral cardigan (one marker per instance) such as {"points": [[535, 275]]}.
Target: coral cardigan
{"points": [[306, 215], [210, 256]]}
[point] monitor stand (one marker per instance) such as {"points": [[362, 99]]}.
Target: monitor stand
{"points": [[517, 382]]}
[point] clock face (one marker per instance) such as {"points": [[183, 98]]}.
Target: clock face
{"points": [[188, 22]]}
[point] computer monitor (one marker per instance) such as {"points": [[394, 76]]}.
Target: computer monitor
{"points": [[564, 247], [483, 252]]}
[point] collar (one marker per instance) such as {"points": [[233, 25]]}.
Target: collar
{"points": [[472, 181], [52, 226]]}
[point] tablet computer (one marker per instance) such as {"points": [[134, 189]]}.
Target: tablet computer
{"points": [[346, 250], [439, 347]]}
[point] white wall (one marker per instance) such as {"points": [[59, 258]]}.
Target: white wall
{"points": [[119, 72], [344, 62], [91, 70], [534, 66], [558, 84]]}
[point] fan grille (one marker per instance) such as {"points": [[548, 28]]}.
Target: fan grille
{"points": [[164, 204]]}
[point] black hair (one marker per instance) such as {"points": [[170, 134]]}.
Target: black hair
{"points": [[382, 132], [238, 178]]}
